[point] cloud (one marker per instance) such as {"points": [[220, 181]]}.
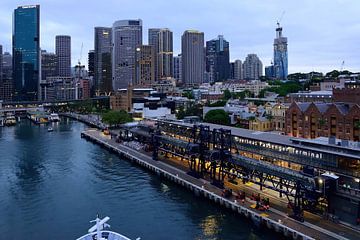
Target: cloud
{"points": [[321, 34]]}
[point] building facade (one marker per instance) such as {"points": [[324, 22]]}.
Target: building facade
{"points": [[269, 72], [153, 40], [91, 63], [144, 66], [162, 41], [312, 120], [49, 63], [7, 68], [193, 60], [350, 93], [165, 54], [238, 70], [63, 53], [1, 64], [217, 59], [253, 67], [126, 36], [102, 60], [26, 52], [177, 68], [280, 55]]}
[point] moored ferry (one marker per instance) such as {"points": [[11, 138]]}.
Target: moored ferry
{"points": [[54, 117]]}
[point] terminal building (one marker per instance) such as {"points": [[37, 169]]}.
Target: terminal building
{"points": [[313, 173]]}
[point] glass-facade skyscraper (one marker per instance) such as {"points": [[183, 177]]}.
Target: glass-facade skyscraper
{"points": [[217, 59], [280, 55], [26, 52], [102, 60]]}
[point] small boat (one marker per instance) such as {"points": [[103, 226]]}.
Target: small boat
{"points": [[97, 232], [54, 117], [10, 120], [50, 129]]}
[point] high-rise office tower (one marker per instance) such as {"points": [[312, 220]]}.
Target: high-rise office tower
{"points": [[238, 70], [193, 60], [252, 67], [165, 54], [63, 53], [231, 73], [48, 65], [91, 63], [153, 40], [126, 35], [1, 64], [280, 55], [102, 59], [217, 59], [162, 41], [144, 66], [269, 71], [177, 68], [26, 52], [7, 65]]}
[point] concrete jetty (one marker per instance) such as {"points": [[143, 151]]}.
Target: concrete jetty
{"points": [[271, 219]]}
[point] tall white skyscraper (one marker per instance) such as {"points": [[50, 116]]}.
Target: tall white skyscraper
{"points": [[127, 35]]}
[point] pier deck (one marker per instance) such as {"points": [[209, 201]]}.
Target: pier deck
{"points": [[273, 218]]}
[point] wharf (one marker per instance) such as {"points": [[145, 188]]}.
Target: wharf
{"points": [[273, 219]]}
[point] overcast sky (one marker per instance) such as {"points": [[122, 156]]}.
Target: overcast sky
{"points": [[321, 33]]}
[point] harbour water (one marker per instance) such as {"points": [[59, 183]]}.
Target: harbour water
{"points": [[53, 183]]}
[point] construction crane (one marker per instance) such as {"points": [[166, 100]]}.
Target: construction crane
{"points": [[281, 17], [78, 69], [81, 50]]}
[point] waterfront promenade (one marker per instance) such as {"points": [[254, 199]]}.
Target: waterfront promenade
{"points": [[314, 226], [273, 218]]}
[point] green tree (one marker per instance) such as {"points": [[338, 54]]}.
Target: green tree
{"points": [[116, 117], [188, 94], [181, 113], [219, 103], [227, 94], [217, 116]]}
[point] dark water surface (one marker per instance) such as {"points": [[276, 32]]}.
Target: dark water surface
{"points": [[53, 183]]}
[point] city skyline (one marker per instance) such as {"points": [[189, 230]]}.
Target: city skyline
{"points": [[318, 41]]}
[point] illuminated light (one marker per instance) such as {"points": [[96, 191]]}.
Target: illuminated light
{"points": [[321, 181], [357, 180]]}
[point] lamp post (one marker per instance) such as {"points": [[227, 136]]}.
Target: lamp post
{"points": [[322, 182]]}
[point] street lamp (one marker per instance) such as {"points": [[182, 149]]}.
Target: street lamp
{"points": [[322, 182]]}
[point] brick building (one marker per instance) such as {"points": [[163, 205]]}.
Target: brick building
{"points": [[350, 93], [312, 120]]}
